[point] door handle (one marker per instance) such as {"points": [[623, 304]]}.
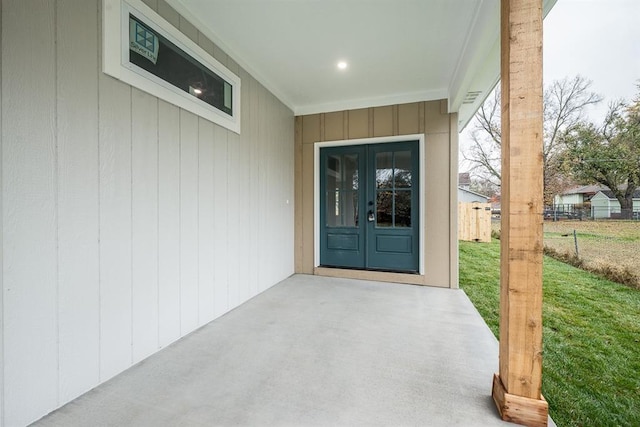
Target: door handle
{"points": [[371, 216]]}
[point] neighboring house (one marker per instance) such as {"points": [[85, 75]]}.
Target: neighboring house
{"points": [[465, 195], [602, 201], [468, 196], [133, 212], [577, 195], [605, 205], [464, 180]]}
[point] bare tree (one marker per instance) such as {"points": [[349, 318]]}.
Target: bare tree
{"points": [[484, 187], [564, 104], [485, 151]]}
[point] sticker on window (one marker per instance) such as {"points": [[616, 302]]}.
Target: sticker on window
{"points": [[143, 41]]}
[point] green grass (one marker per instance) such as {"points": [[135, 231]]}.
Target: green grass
{"points": [[591, 361]]}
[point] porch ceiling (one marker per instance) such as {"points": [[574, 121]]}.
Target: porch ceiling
{"points": [[397, 51]]}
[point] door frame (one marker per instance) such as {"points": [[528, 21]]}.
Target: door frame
{"points": [[365, 141]]}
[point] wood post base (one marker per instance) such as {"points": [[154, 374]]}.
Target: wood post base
{"points": [[518, 409]]}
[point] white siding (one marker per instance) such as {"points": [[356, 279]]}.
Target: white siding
{"points": [[206, 236], [126, 222], [144, 214], [569, 199], [220, 222], [168, 223], [78, 200], [30, 199], [601, 206], [188, 222]]}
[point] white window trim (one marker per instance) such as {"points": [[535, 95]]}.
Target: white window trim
{"points": [[362, 141], [115, 60]]}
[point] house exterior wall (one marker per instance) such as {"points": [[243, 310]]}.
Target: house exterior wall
{"points": [[602, 206], [465, 196], [126, 222], [440, 192], [569, 199]]}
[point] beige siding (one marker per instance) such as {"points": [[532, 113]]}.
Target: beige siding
{"points": [[436, 216], [383, 118], [409, 118], [441, 145], [126, 222], [334, 126], [358, 124], [453, 199], [1, 230]]}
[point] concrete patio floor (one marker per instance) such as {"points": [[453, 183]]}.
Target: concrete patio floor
{"points": [[313, 351]]}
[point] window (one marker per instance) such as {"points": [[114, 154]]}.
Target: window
{"points": [[145, 51]]}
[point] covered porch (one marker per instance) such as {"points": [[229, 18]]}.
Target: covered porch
{"points": [[313, 351], [134, 213]]}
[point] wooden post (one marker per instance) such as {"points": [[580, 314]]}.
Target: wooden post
{"points": [[517, 387]]}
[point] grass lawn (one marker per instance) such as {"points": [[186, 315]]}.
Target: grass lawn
{"points": [[591, 362]]}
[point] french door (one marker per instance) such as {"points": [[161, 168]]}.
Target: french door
{"points": [[369, 206]]}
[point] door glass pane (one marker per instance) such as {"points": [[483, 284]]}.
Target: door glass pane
{"points": [[354, 214], [341, 195], [334, 166], [384, 170], [342, 172], [402, 169], [403, 208], [384, 209], [342, 208], [350, 171]]}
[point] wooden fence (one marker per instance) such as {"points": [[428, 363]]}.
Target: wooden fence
{"points": [[474, 222]]}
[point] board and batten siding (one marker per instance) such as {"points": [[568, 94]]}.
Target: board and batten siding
{"points": [[430, 118], [126, 222]]}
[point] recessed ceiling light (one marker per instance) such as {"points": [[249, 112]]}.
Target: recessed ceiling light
{"points": [[195, 91], [342, 65]]}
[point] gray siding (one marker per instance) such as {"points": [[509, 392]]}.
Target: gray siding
{"points": [[126, 222]]}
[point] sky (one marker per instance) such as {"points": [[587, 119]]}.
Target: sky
{"points": [[597, 39]]}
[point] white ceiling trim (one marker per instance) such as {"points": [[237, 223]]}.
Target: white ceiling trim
{"points": [[353, 104]]}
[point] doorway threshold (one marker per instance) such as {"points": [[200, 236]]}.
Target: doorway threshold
{"points": [[374, 275]]}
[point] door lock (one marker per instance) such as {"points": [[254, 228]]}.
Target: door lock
{"points": [[370, 216]]}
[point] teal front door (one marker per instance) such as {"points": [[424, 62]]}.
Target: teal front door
{"points": [[369, 206]]}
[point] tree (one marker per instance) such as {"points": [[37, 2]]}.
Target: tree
{"points": [[484, 187], [564, 104], [609, 154]]}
